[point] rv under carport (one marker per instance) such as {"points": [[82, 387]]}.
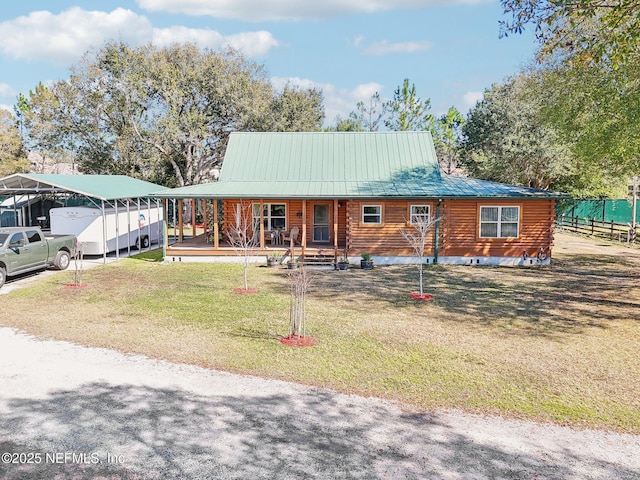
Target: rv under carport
{"points": [[107, 193]]}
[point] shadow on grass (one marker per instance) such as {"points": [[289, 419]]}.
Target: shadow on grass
{"points": [[574, 294], [171, 433], [153, 256], [254, 332]]}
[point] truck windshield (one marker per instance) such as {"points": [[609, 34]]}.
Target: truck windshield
{"points": [[3, 238]]}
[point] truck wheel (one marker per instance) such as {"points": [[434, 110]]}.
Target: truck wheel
{"points": [[63, 259], [3, 276]]}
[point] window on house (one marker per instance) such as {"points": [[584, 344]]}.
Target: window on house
{"points": [[372, 214], [420, 214], [499, 222], [275, 215]]}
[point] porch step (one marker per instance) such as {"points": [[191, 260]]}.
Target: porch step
{"points": [[318, 259]]}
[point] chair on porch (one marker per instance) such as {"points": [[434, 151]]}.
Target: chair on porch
{"points": [[293, 235]]}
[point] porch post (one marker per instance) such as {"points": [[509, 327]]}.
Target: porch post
{"points": [[193, 218], [335, 227], [204, 217], [303, 242], [261, 222], [180, 222], [216, 241]]}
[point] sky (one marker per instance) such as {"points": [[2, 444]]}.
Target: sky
{"points": [[350, 49]]}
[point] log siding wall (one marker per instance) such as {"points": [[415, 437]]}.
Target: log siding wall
{"points": [[459, 226], [385, 238]]}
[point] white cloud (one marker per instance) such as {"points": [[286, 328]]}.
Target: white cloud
{"points": [[469, 101], [6, 90], [9, 108], [163, 37], [63, 38], [259, 10], [251, 43], [357, 40], [337, 101], [366, 90], [386, 48]]}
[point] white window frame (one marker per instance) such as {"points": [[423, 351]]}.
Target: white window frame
{"points": [[413, 215], [379, 214], [499, 222], [267, 216]]}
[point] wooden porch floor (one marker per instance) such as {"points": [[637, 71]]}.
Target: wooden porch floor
{"points": [[200, 246]]}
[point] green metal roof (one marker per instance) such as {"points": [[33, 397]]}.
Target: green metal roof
{"points": [[101, 187], [325, 156], [340, 165]]}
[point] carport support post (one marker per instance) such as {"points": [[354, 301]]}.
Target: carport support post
{"points": [[104, 233], [29, 208], [138, 222], [165, 230], [115, 207], [15, 211], [128, 227], [148, 223], [160, 211]]}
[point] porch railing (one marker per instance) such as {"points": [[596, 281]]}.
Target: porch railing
{"points": [[620, 232]]}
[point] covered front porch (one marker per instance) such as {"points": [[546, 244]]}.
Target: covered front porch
{"points": [[309, 231]]}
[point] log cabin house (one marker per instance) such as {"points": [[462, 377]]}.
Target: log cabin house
{"points": [[319, 196]]}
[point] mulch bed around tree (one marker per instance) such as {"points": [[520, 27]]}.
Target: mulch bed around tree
{"points": [[298, 341], [424, 297], [244, 291]]}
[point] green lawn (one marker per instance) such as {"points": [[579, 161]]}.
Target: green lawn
{"points": [[556, 344]]}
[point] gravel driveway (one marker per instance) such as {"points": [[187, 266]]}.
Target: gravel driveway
{"points": [[70, 412]]}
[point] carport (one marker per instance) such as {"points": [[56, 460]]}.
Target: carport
{"points": [[119, 193]]}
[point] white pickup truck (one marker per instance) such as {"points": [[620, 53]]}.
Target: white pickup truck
{"points": [[24, 249]]}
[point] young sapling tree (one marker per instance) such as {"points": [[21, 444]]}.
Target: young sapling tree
{"points": [[243, 236], [418, 236]]}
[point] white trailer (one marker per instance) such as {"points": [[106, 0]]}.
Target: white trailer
{"points": [[101, 231]]}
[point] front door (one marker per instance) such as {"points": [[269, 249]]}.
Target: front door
{"points": [[321, 223]]}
